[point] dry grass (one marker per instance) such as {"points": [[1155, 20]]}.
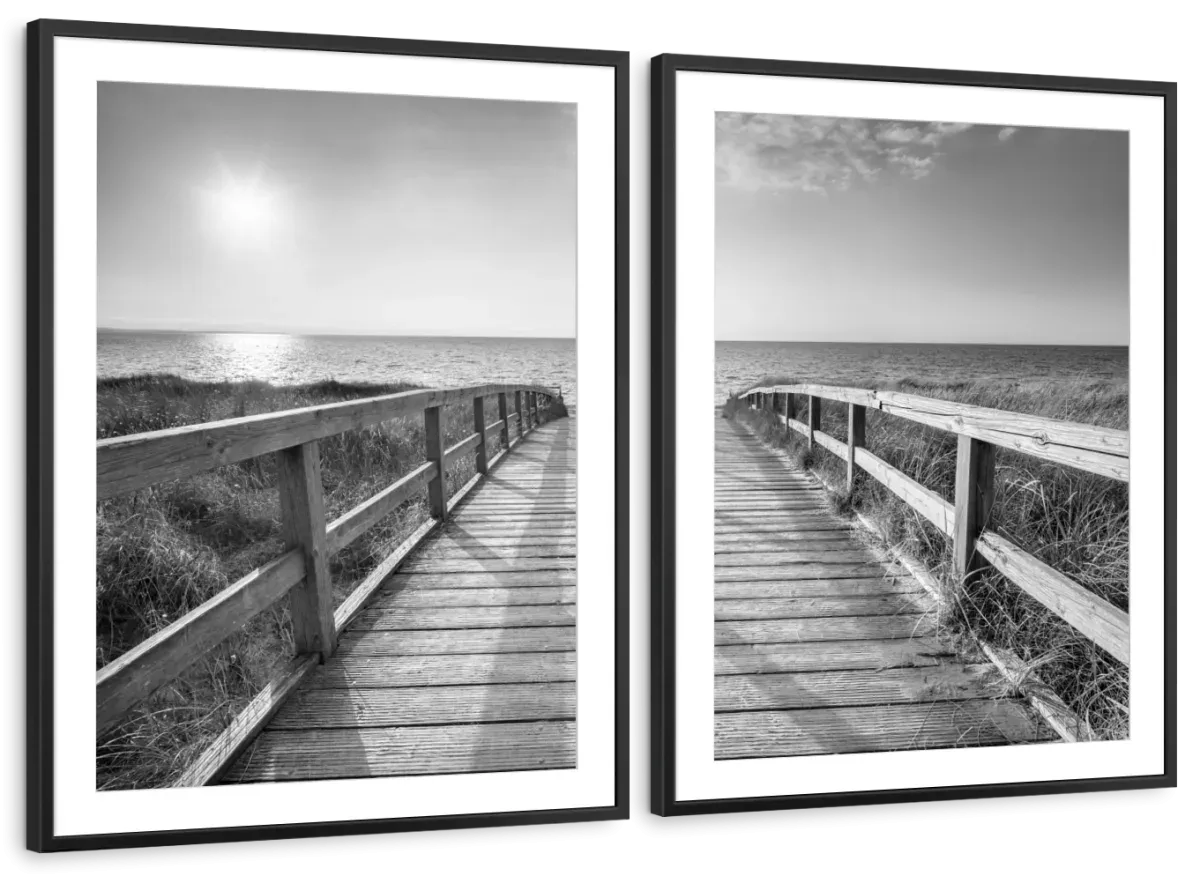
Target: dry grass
{"points": [[1074, 521], [162, 551]]}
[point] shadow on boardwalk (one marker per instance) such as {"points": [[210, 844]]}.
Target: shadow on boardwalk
{"points": [[821, 648]]}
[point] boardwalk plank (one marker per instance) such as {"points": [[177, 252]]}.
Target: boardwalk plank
{"points": [[464, 660], [874, 728], [374, 669], [417, 706], [821, 647], [819, 690], [294, 755]]}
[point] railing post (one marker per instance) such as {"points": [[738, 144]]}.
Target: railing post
{"points": [[520, 420], [439, 497], [790, 406], [534, 416], [481, 457], [302, 504], [502, 399], [814, 420], [974, 493], [856, 436]]}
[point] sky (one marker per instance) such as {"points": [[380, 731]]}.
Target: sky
{"points": [[324, 213], [920, 232]]}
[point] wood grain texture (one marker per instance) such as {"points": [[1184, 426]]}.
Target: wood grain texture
{"points": [[902, 727], [458, 654], [877, 686], [822, 644], [145, 668], [360, 519], [1092, 615], [135, 461], [302, 507], [422, 706], [359, 670], [223, 751], [369, 752]]}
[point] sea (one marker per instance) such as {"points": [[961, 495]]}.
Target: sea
{"points": [[288, 360], [740, 364]]}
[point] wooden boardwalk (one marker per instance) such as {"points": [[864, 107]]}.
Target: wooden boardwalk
{"points": [[822, 645], [465, 660]]}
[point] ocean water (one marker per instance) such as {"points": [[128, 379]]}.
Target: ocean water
{"points": [[296, 359], [742, 363]]}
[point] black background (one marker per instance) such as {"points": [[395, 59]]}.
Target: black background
{"points": [[1024, 833]]}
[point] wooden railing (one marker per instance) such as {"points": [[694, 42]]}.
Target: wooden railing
{"points": [[980, 431], [302, 572]]}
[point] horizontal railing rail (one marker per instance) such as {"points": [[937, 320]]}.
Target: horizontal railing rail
{"points": [[302, 572], [980, 431]]}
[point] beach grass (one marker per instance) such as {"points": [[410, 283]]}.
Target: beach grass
{"points": [[1074, 521], [164, 550]]}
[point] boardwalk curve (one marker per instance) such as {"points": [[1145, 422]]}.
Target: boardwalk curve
{"points": [[823, 646]]}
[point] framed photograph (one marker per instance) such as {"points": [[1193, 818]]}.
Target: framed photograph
{"points": [[934, 313], [346, 549]]}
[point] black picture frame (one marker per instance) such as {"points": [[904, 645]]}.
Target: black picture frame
{"points": [[664, 301], [40, 72]]}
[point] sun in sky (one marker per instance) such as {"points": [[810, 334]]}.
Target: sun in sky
{"points": [[244, 209]]}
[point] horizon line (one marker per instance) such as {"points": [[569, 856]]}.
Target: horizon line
{"points": [[928, 343], [319, 334]]}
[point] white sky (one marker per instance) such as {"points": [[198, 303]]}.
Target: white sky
{"points": [[302, 212]]}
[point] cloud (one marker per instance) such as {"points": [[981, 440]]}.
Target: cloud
{"points": [[821, 155], [1005, 133]]}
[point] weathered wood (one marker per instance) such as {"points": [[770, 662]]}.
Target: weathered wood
{"points": [[820, 690], [849, 394], [798, 572], [836, 587], [1061, 717], [1090, 448], [472, 635], [921, 499], [145, 668], [293, 755], [302, 505], [829, 655], [432, 597], [221, 753], [439, 493], [490, 564], [789, 412], [875, 728], [361, 594], [474, 618], [492, 641], [520, 418], [1099, 620], [441, 550], [502, 400], [481, 428], [856, 436], [475, 580], [350, 669], [837, 448], [357, 521], [821, 629], [135, 461], [416, 706], [855, 555], [842, 605], [974, 493], [455, 452]]}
